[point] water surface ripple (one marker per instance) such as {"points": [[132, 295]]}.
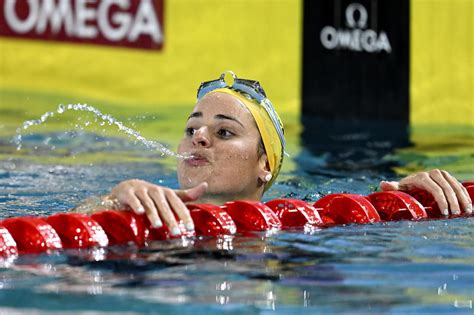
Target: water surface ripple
{"points": [[385, 268]]}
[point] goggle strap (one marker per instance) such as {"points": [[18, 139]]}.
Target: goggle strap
{"points": [[209, 86], [271, 113], [249, 90], [255, 85]]}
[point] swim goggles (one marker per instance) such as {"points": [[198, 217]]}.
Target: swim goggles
{"points": [[251, 88]]}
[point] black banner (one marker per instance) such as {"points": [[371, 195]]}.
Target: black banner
{"points": [[355, 74]]}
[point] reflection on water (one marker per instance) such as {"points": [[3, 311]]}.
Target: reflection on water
{"points": [[382, 267], [395, 267]]}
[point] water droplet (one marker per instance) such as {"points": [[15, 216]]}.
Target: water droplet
{"points": [[98, 116]]}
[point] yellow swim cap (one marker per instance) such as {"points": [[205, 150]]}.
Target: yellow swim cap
{"points": [[274, 148]]}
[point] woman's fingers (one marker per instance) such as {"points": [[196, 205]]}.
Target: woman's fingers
{"points": [[124, 192], [388, 186], [164, 209], [192, 193], [134, 203], [447, 191], [159, 203], [150, 208], [425, 182], [470, 202], [180, 209], [460, 191], [127, 197]]}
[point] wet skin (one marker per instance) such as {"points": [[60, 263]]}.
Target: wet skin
{"points": [[222, 137]]}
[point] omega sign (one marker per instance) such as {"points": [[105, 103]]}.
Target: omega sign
{"points": [[356, 37], [130, 23]]}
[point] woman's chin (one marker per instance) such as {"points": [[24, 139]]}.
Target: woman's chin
{"points": [[193, 177]]}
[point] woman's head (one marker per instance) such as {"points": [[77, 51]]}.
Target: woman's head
{"points": [[235, 146]]}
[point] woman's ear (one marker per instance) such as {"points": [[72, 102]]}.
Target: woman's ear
{"points": [[264, 173]]}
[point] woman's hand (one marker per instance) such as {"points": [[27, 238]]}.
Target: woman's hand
{"points": [[449, 194], [158, 202]]}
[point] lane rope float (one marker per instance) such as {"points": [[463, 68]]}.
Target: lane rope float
{"points": [[33, 235]]}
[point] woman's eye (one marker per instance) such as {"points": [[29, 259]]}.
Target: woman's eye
{"points": [[190, 131], [224, 133]]}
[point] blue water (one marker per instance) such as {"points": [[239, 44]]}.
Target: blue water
{"points": [[384, 268]]}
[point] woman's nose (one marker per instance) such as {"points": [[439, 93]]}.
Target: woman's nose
{"points": [[201, 137]]}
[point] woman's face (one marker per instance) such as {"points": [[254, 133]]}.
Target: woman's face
{"points": [[222, 137]]}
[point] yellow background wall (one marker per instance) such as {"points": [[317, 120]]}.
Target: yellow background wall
{"points": [[442, 69], [257, 39]]}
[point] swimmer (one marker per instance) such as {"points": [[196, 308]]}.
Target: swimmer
{"points": [[234, 147]]}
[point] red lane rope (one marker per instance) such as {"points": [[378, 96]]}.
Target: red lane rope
{"points": [[29, 235]]}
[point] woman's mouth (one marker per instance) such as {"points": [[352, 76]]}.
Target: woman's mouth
{"points": [[196, 160]]}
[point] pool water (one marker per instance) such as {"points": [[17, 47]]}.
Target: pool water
{"points": [[384, 268]]}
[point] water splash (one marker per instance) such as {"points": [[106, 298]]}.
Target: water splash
{"points": [[104, 119]]}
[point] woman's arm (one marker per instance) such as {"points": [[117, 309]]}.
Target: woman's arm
{"points": [[99, 203], [450, 195]]}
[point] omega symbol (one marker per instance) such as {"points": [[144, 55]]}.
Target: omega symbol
{"points": [[351, 10]]}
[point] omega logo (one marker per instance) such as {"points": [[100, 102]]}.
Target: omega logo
{"points": [[357, 37], [132, 23]]}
